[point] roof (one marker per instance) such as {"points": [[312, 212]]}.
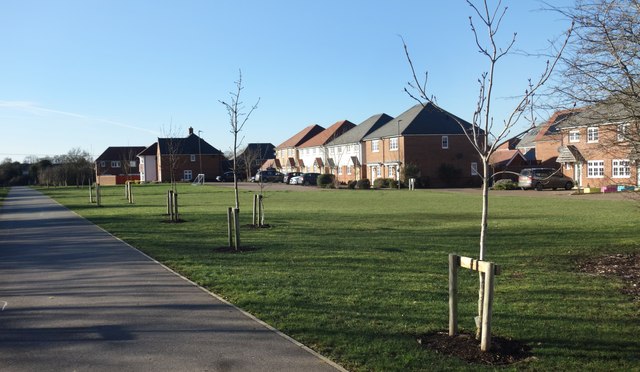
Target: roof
{"points": [[551, 128], [355, 134], [151, 150], [191, 144], [262, 150], [329, 134], [528, 139], [422, 120], [504, 157], [569, 154], [606, 112], [302, 136], [120, 153]]}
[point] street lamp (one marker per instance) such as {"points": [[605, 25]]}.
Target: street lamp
{"points": [[200, 152]]}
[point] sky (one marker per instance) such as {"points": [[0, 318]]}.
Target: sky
{"points": [[91, 74]]}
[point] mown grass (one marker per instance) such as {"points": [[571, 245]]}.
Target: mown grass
{"points": [[357, 275]]}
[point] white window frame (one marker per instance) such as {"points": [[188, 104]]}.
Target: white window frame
{"points": [[445, 142], [348, 170], [132, 164], [574, 136], [187, 175], [103, 164], [116, 164], [474, 169], [193, 158], [339, 170], [623, 130], [620, 168], [375, 146], [592, 134], [393, 144], [595, 169], [392, 171]]}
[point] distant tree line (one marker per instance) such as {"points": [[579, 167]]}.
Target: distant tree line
{"points": [[74, 168]]}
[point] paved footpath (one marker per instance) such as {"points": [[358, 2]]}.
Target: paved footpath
{"points": [[75, 298]]}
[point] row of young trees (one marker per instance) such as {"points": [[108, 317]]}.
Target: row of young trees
{"points": [[75, 168]]}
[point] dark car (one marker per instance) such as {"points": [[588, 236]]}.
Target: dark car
{"points": [[306, 179], [228, 177], [268, 176], [544, 178], [290, 175]]}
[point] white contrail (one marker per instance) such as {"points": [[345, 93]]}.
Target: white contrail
{"points": [[39, 110]]}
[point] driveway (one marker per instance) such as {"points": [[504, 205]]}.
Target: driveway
{"points": [[75, 298]]}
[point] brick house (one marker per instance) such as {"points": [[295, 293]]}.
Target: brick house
{"points": [[189, 156], [541, 144], [314, 156], [429, 139], [507, 161], [346, 153], [287, 157], [596, 150], [118, 164], [253, 157]]}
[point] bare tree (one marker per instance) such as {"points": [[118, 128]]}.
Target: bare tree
{"points": [[483, 135], [237, 119], [173, 149], [601, 67]]}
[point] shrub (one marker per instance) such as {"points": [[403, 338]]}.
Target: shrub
{"points": [[326, 181], [352, 184], [363, 184], [385, 183], [505, 184]]}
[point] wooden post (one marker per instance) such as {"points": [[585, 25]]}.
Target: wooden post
{"points": [[229, 229], [90, 193], [454, 262], [236, 229], [176, 215], [169, 200], [489, 277], [261, 203], [254, 219], [98, 196]]}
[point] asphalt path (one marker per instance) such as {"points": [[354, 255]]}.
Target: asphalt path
{"points": [[75, 298]]}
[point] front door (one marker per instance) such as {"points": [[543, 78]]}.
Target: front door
{"points": [[577, 174]]}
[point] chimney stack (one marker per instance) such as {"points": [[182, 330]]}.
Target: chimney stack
{"points": [[190, 130]]}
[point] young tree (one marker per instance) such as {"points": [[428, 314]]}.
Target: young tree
{"points": [[484, 136], [237, 119]]}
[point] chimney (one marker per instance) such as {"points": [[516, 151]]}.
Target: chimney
{"points": [[190, 130]]}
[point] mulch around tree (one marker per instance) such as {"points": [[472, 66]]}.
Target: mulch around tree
{"points": [[503, 350], [625, 267], [241, 249]]}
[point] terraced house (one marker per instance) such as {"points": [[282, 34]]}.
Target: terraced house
{"points": [[313, 154]]}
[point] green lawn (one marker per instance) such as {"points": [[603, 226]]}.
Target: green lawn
{"points": [[357, 275]]}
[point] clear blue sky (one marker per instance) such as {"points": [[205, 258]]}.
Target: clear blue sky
{"points": [[95, 73]]}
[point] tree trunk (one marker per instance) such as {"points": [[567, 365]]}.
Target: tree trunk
{"points": [[483, 240]]}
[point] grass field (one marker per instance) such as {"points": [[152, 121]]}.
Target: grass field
{"points": [[358, 275]]}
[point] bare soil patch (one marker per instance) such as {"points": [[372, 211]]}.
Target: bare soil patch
{"points": [[625, 267]]}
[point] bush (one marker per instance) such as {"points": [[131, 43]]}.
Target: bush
{"points": [[505, 184], [326, 181], [352, 184], [385, 183], [363, 184]]}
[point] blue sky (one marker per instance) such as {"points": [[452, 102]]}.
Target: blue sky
{"points": [[97, 73]]}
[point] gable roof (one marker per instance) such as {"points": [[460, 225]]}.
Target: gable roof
{"points": [[262, 150], [120, 153], [355, 134], [421, 120], [551, 127], [302, 136], [151, 150], [328, 134], [606, 112], [505, 157], [191, 144]]}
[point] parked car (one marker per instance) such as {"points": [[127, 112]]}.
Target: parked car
{"points": [[290, 175], [268, 176], [225, 177], [544, 178], [305, 179]]}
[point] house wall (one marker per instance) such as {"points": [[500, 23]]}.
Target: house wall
{"points": [[148, 169], [105, 167], [606, 149], [345, 171], [211, 167], [427, 154], [283, 155], [547, 152]]}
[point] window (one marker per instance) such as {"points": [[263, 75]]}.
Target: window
{"points": [[623, 131], [393, 144], [103, 164], [592, 134], [378, 171], [349, 170], [188, 175], [330, 150], [620, 168], [595, 168], [339, 171], [392, 171], [474, 169], [193, 157], [115, 164], [445, 142], [574, 136], [132, 163], [375, 146]]}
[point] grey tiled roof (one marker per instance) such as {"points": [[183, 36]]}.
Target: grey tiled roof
{"points": [[189, 145], [356, 134]]}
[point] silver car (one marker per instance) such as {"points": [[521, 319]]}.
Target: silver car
{"points": [[544, 178]]}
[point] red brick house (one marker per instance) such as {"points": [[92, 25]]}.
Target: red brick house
{"points": [[287, 157], [507, 161], [541, 144], [118, 164], [314, 155], [429, 139], [596, 149], [188, 156]]}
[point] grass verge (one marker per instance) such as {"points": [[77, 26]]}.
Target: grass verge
{"points": [[358, 275]]}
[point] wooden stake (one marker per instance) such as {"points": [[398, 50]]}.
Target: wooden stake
{"points": [[236, 229], [454, 262], [229, 222], [485, 340]]}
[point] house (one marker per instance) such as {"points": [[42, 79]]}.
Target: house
{"points": [[253, 156], [507, 161], [428, 140], [540, 144], [346, 153], [118, 164], [596, 148], [184, 158], [313, 155], [287, 157]]}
